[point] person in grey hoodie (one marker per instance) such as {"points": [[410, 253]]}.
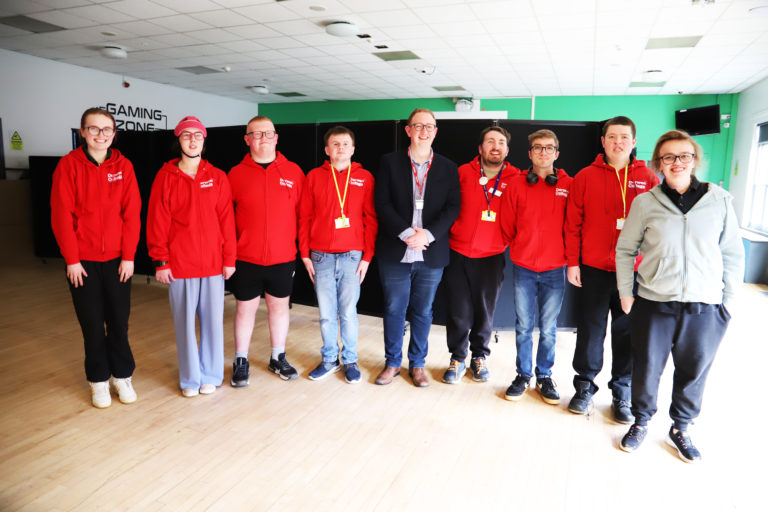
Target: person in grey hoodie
{"points": [[693, 264]]}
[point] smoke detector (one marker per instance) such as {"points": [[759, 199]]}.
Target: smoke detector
{"points": [[259, 89], [113, 52]]}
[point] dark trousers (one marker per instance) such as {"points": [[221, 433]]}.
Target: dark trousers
{"points": [[597, 296], [691, 332], [472, 287], [104, 301]]}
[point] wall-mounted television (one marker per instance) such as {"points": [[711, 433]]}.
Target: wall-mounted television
{"points": [[699, 121]]}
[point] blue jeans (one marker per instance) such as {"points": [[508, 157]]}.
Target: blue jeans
{"points": [[537, 294], [408, 287], [338, 290]]}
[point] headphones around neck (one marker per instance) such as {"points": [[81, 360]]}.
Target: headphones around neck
{"points": [[533, 178]]}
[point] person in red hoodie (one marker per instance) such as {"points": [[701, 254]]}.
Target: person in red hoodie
{"points": [[337, 237], [191, 239], [599, 201], [266, 189], [532, 218], [95, 207], [476, 270]]}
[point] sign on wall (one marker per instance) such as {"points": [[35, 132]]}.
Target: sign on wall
{"points": [[137, 118]]}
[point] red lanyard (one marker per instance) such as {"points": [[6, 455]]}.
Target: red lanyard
{"points": [[420, 186]]}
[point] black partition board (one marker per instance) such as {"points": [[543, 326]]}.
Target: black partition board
{"points": [[41, 179], [372, 139], [579, 142]]}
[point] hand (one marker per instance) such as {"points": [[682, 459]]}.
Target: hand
{"points": [[626, 304], [310, 268], [76, 273], [418, 240], [227, 272], [574, 275], [362, 269], [164, 276], [125, 270]]}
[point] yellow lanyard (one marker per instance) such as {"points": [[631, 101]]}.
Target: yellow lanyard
{"points": [[346, 187], [623, 190]]}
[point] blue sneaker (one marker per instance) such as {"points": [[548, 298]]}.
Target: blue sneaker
{"points": [[351, 373], [455, 372], [324, 369], [480, 371]]}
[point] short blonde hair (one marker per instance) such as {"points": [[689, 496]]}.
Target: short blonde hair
{"points": [[676, 135], [419, 111]]}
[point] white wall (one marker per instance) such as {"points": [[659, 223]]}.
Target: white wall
{"points": [[43, 99], [753, 109]]}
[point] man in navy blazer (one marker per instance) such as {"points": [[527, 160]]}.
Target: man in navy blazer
{"points": [[417, 199]]}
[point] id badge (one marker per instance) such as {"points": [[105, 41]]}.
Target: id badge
{"points": [[419, 204], [342, 222], [620, 224], [488, 216]]}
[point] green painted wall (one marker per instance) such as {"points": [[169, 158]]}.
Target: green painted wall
{"points": [[653, 115]]}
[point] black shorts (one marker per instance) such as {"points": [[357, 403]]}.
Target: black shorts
{"points": [[250, 280]]}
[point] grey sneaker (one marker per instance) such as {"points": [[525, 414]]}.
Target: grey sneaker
{"points": [[480, 371]]}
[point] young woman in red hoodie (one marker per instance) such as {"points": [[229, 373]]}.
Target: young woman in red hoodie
{"points": [[95, 207], [191, 239]]}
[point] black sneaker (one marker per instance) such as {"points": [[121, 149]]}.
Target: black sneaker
{"points": [[283, 368], [351, 373], [633, 438], [682, 441], [517, 388], [546, 388], [324, 369], [621, 412], [581, 403], [241, 376]]}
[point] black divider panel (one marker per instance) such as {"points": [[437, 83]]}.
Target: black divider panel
{"points": [[303, 144]]}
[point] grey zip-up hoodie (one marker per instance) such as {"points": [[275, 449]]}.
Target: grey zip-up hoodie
{"points": [[692, 257]]}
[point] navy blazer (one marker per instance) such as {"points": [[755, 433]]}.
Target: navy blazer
{"points": [[393, 196]]}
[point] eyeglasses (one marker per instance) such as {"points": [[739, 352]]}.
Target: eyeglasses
{"points": [[257, 135], [550, 150], [189, 136], [95, 130], [685, 158], [428, 127]]}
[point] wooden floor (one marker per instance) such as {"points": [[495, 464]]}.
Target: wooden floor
{"points": [[322, 446]]}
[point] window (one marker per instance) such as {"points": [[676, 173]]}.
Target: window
{"points": [[757, 196]]}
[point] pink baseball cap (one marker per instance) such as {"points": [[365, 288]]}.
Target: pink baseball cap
{"points": [[189, 122]]}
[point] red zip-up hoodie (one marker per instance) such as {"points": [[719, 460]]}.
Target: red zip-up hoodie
{"points": [[320, 207], [532, 219], [95, 209], [266, 209], [471, 236], [190, 221], [594, 205]]}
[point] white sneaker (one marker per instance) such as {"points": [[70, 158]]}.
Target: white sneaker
{"points": [[207, 389], [100, 397], [124, 389], [189, 392]]}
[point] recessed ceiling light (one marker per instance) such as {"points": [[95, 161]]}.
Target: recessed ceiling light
{"points": [[108, 34], [342, 29]]}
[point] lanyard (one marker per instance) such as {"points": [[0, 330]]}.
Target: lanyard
{"points": [[346, 187], [623, 190], [420, 186], [495, 186]]}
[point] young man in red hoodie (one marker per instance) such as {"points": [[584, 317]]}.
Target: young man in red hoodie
{"points": [[599, 201], [532, 218], [337, 237], [266, 190], [476, 270]]}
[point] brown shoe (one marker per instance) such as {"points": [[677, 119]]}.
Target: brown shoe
{"points": [[387, 375], [419, 377]]}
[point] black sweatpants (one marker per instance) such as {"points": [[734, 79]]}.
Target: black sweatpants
{"points": [[472, 286], [104, 301], [691, 332], [598, 295]]}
